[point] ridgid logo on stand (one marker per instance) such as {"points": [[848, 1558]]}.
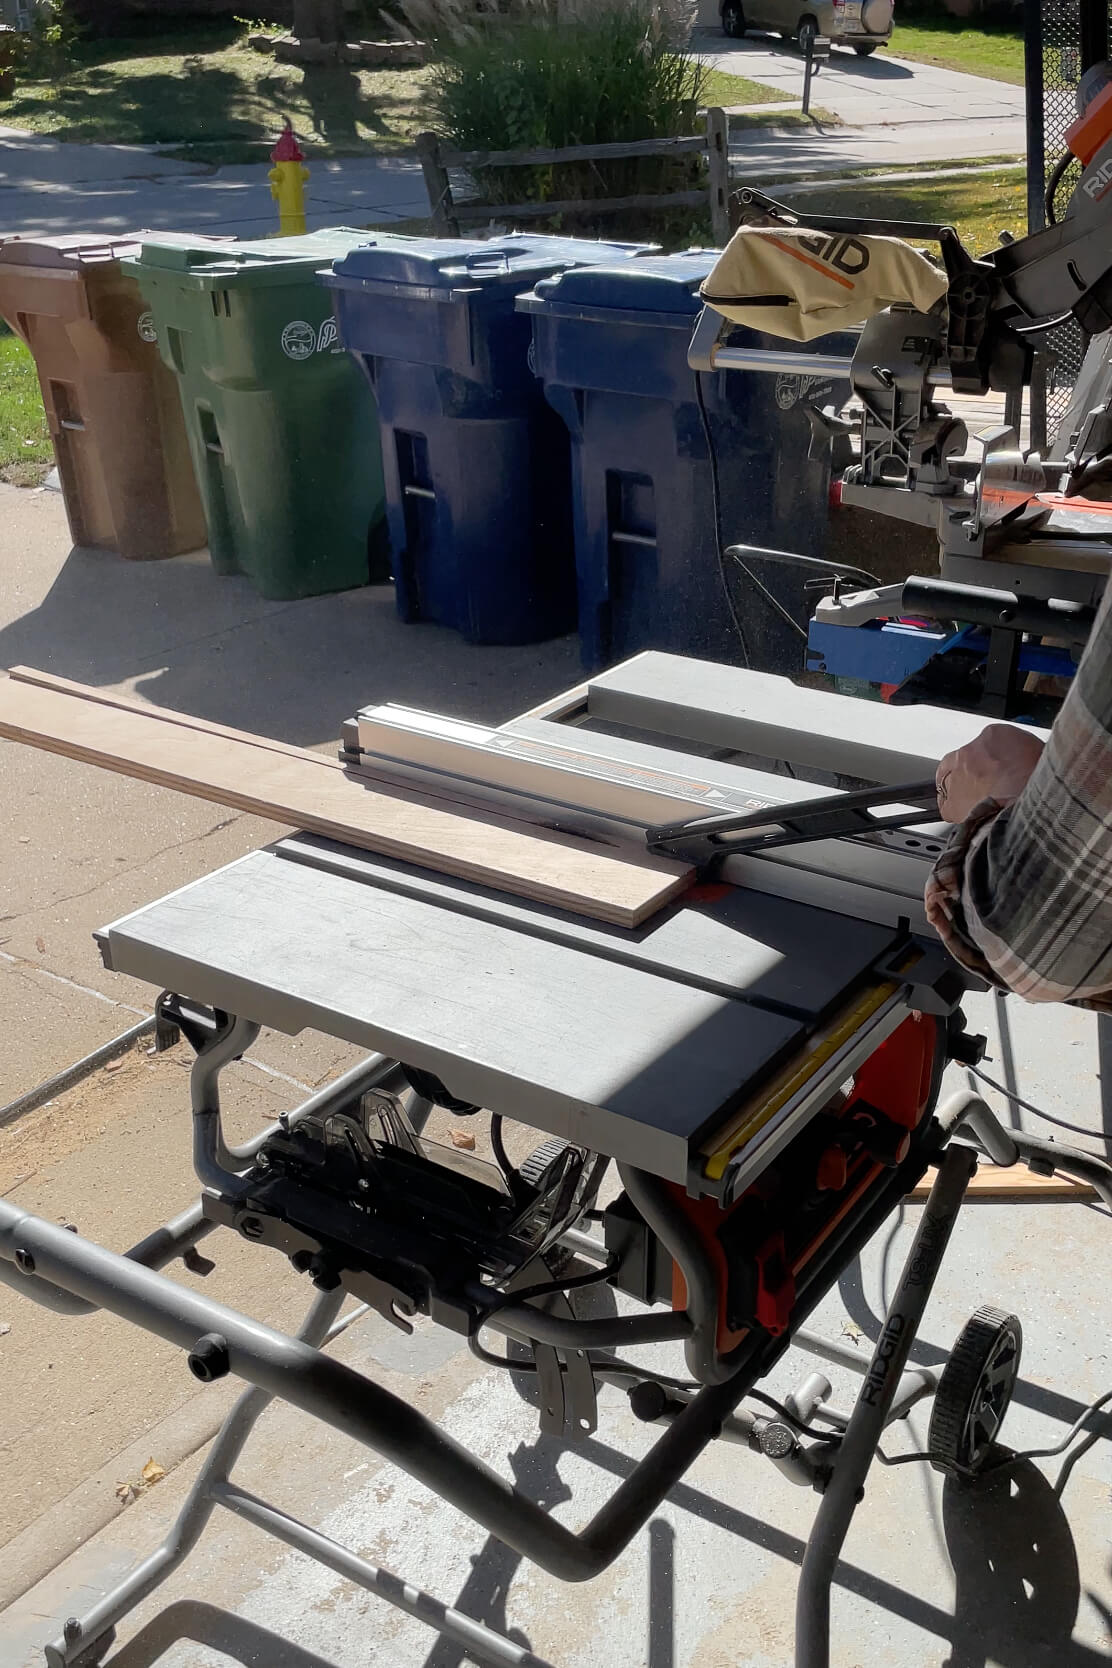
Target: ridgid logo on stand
{"points": [[300, 340]]}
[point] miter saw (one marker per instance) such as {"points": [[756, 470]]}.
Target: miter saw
{"points": [[1033, 532]]}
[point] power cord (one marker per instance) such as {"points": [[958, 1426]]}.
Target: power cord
{"points": [[716, 504], [1028, 1106]]}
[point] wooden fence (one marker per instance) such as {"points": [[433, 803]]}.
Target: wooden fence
{"points": [[447, 214]]}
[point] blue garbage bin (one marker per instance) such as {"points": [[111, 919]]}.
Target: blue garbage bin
{"points": [[476, 464], [610, 346]]}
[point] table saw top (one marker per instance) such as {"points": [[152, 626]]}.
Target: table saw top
{"points": [[635, 1042]]}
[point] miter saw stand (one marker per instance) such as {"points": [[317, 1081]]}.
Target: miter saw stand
{"points": [[1024, 554], [769, 1098]]}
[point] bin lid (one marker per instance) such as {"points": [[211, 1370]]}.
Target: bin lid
{"points": [[513, 261], [206, 262], [659, 284], [68, 251]]}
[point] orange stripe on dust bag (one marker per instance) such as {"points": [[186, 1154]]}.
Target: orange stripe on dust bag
{"points": [[797, 254]]}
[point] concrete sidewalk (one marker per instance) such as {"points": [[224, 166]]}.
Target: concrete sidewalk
{"points": [[868, 92]]}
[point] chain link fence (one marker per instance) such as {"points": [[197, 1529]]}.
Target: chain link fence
{"points": [[1069, 35]]}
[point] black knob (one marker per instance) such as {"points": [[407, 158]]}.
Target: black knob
{"points": [[648, 1400], [210, 1359]]}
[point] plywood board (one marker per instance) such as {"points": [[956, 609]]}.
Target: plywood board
{"points": [[610, 883], [127, 703], [1016, 1181]]}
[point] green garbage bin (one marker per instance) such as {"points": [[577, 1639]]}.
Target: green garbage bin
{"points": [[281, 421]]}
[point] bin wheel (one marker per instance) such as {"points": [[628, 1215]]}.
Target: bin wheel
{"points": [[974, 1392], [733, 19], [865, 51]]}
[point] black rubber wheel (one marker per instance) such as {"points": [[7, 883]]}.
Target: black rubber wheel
{"points": [[974, 1392], [806, 35], [539, 1159], [866, 51], [733, 20]]}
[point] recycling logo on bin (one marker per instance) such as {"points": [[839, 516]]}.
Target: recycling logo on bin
{"points": [[300, 339], [146, 328], [790, 388]]}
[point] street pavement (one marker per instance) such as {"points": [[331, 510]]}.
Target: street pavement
{"points": [[893, 113], [47, 187]]}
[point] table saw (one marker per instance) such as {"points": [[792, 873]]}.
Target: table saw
{"points": [[728, 1099]]}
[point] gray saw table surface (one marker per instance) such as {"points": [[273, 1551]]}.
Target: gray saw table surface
{"points": [[635, 1043]]}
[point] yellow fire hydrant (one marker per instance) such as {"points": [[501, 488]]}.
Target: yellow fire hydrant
{"points": [[287, 183]]}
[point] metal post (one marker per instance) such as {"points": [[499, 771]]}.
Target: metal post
{"points": [[858, 1446], [808, 71]]}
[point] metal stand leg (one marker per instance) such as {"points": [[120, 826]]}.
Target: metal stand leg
{"points": [[858, 1446], [213, 1487]]}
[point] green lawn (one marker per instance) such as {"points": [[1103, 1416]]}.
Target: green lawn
{"points": [[980, 206], [728, 90], [219, 100], [950, 42], [25, 450]]}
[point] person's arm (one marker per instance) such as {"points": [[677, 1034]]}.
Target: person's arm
{"points": [[1023, 892]]}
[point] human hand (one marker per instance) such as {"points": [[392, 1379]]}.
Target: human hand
{"points": [[996, 765]]}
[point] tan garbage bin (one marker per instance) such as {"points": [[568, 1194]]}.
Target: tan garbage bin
{"points": [[113, 408]]}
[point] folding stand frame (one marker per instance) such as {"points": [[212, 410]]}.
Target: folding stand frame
{"points": [[72, 1275]]}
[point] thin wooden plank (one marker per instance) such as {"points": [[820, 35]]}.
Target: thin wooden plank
{"points": [[624, 886], [128, 703], [615, 150], [1016, 1181]]}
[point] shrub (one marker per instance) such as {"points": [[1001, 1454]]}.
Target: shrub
{"points": [[550, 73]]}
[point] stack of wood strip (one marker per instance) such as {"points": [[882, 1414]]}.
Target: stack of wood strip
{"points": [[302, 789]]}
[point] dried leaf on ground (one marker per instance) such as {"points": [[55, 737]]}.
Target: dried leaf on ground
{"points": [[850, 1329], [463, 1139], [125, 1493], [152, 1472]]}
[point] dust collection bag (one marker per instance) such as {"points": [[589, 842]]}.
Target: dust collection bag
{"points": [[799, 284]]}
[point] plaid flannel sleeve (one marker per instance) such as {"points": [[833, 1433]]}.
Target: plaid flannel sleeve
{"points": [[1022, 894]]}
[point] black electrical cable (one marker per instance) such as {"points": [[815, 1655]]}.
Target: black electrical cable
{"points": [[772, 601], [1053, 183], [795, 1422], [512, 1176], [1028, 1106], [716, 506]]}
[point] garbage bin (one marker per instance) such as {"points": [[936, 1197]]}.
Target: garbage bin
{"points": [[111, 406], [610, 346], [477, 466], [281, 422]]}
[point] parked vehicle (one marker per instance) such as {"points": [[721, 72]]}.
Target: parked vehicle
{"points": [[862, 24]]}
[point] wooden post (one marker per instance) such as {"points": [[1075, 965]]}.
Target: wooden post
{"points": [[437, 184], [718, 175]]}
